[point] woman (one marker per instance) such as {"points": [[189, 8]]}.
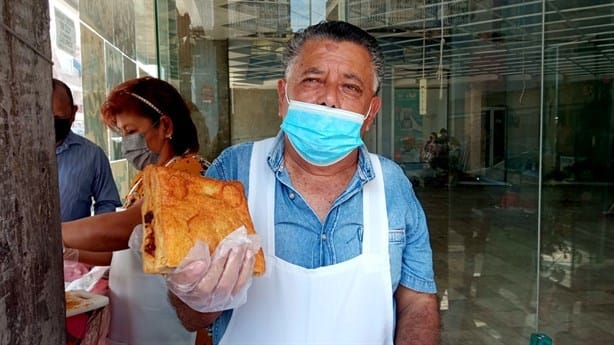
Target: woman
{"points": [[156, 128]]}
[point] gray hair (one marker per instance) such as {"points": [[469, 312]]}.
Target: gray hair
{"points": [[340, 32]]}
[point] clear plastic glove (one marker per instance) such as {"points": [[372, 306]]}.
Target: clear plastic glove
{"points": [[136, 239], [70, 254], [72, 268], [210, 283]]}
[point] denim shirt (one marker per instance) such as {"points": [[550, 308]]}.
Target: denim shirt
{"points": [[84, 178], [302, 239]]}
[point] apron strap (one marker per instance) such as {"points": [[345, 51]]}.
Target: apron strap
{"points": [[375, 213], [260, 179]]}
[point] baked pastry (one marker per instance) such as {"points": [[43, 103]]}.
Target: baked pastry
{"points": [[81, 301], [180, 208]]}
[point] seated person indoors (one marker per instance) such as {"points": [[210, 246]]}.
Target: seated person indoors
{"points": [[348, 258], [156, 128]]}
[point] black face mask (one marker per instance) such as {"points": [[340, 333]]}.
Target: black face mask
{"points": [[62, 127]]}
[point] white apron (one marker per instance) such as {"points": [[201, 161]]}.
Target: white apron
{"points": [[346, 303], [140, 311]]}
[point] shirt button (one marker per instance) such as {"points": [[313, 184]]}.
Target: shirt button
{"points": [[323, 237], [291, 195]]}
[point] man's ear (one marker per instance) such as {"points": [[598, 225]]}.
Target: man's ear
{"points": [[73, 113], [376, 104]]}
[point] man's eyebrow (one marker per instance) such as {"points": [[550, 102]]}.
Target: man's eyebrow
{"points": [[317, 71], [355, 77], [312, 70]]}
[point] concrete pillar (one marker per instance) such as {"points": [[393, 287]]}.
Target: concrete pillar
{"points": [[210, 95], [31, 283]]}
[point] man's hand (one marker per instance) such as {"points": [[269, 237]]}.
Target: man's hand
{"points": [[417, 318], [215, 283]]}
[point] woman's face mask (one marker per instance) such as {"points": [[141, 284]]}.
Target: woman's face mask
{"points": [[136, 151], [322, 135]]}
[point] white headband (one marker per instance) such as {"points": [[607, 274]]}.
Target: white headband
{"points": [[146, 102]]}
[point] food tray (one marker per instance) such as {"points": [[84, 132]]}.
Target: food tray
{"points": [[81, 301]]}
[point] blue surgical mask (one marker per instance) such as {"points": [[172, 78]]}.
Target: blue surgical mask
{"points": [[322, 135]]}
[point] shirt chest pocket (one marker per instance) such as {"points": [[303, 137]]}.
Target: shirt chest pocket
{"points": [[396, 246], [396, 236]]}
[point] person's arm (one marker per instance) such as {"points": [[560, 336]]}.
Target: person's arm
{"points": [[95, 258], [104, 190], [191, 319], [104, 232], [417, 318]]}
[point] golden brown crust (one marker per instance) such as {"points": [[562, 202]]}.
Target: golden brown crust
{"points": [[180, 208], [80, 301], [74, 301]]}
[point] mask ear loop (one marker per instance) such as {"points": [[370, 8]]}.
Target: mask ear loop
{"points": [[286, 93], [369, 110], [159, 121]]}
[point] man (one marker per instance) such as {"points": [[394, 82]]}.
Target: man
{"points": [[84, 172], [346, 243]]}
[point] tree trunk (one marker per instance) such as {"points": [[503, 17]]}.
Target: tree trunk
{"points": [[31, 283]]}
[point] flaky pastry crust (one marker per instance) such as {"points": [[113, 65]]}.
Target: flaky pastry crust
{"points": [[180, 208]]}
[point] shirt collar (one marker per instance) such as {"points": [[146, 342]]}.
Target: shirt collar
{"points": [[275, 159], [68, 141]]}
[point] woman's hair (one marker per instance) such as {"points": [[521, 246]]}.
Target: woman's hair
{"points": [[340, 32], [151, 98]]}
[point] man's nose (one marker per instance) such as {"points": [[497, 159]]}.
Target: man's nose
{"points": [[326, 105], [330, 96]]}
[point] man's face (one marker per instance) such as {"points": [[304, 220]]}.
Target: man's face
{"points": [[63, 114], [335, 74], [62, 109]]}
